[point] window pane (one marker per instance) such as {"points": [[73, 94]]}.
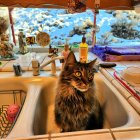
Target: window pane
{"points": [[117, 27], [56, 22]]}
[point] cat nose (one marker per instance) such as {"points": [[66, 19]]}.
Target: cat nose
{"points": [[84, 86]]}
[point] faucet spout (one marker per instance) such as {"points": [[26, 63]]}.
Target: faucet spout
{"points": [[52, 62]]}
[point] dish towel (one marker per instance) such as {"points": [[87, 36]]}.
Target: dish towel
{"points": [[134, 90]]}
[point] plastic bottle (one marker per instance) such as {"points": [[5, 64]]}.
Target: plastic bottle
{"points": [[65, 53], [83, 50]]}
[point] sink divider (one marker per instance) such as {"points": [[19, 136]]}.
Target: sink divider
{"points": [[23, 126]]}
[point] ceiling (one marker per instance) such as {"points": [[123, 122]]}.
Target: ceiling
{"points": [[104, 4]]}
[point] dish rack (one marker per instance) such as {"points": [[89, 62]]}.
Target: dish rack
{"points": [[17, 97]]}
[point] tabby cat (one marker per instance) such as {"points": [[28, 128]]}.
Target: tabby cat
{"points": [[76, 105]]}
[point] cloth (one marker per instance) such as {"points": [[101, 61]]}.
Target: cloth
{"points": [[134, 90], [111, 53]]}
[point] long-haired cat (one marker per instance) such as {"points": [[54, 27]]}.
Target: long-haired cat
{"points": [[76, 105]]}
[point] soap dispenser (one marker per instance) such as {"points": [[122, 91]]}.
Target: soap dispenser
{"points": [[83, 50]]}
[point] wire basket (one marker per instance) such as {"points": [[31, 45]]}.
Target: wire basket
{"points": [[10, 97]]}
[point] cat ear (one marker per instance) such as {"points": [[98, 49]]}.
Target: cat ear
{"points": [[93, 66], [92, 63], [71, 59]]}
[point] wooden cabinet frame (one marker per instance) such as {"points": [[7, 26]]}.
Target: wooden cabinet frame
{"points": [[104, 4]]}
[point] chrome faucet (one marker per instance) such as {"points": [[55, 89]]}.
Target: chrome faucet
{"points": [[53, 64]]}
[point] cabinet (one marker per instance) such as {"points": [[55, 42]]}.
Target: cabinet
{"points": [[113, 4]]}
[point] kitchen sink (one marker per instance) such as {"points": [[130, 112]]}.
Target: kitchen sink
{"points": [[118, 113], [37, 115]]}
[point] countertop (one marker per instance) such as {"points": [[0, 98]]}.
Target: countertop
{"points": [[108, 73], [25, 61], [111, 134]]}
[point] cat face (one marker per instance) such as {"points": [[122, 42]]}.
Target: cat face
{"points": [[79, 75]]}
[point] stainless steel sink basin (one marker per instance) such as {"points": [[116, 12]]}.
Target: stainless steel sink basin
{"points": [[44, 113], [118, 112], [37, 116]]}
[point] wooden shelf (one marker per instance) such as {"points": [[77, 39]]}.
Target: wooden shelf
{"points": [[105, 4]]}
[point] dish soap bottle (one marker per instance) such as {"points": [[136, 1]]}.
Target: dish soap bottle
{"points": [[83, 50]]}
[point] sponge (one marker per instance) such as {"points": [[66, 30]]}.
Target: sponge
{"points": [[12, 111]]}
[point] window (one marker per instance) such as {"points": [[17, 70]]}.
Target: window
{"points": [[118, 28], [113, 27], [56, 22]]}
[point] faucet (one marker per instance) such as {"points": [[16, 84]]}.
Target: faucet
{"points": [[53, 64]]}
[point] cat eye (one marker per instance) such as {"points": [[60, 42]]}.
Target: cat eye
{"points": [[78, 73]]}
